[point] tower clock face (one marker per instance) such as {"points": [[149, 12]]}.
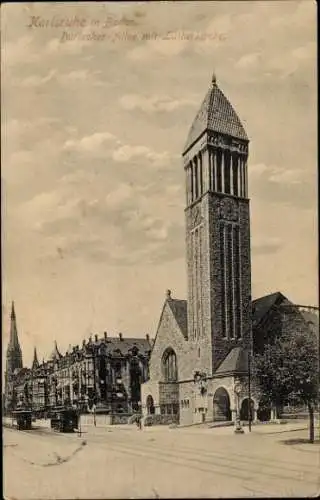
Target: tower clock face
{"points": [[229, 210]]}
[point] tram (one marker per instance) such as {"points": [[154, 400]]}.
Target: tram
{"points": [[23, 419], [64, 419]]}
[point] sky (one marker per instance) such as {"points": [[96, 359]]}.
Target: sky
{"points": [[93, 123]]}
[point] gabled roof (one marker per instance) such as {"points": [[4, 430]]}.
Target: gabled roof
{"points": [[235, 362], [125, 345], [178, 309], [217, 115], [180, 312], [261, 306]]}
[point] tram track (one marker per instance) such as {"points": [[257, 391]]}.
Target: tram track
{"points": [[213, 460], [233, 465]]}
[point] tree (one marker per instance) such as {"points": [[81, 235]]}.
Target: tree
{"points": [[288, 368]]}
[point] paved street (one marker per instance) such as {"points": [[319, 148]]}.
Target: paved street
{"points": [[123, 462]]}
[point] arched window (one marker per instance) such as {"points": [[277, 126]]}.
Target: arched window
{"points": [[169, 366]]}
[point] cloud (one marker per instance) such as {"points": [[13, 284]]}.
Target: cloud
{"points": [[67, 79], [275, 174], [257, 169], [20, 51], [108, 145], [158, 48], [248, 60], [90, 143], [126, 153], [265, 245], [287, 176], [305, 52], [36, 80], [154, 104], [133, 233], [120, 197], [71, 47], [302, 16]]}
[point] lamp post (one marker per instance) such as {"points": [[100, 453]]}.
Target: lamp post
{"points": [[250, 352], [249, 390], [238, 429]]}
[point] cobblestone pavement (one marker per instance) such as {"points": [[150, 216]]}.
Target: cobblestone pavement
{"points": [[123, 462]]}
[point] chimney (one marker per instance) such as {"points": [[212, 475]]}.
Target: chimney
{"points": [[147, 337], [168, 294], [120, 336], [90, 339], [83, 343], [96, 338], [105, 334]]}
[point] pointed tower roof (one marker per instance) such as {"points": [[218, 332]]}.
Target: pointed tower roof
{"points": [[13, 341], [217, 115], [35, 362], [55, 355]]}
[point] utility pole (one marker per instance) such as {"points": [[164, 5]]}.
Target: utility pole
{"points": [[249, 365], [249, 389]]}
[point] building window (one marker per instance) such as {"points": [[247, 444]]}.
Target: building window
{"points": [[237, 271], [230, 282], [196, 178], [169, 366], [223, 278]]}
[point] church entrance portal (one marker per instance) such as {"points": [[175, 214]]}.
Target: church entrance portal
{"points": [[247, 409], [150, 405], [221, 406]]}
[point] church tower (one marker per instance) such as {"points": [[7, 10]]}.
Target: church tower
{"points": [[13, 361], [14, 353], [217, 231]]}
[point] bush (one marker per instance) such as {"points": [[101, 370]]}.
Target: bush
{"points": [[158, 420]]}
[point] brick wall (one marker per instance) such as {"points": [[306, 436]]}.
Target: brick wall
{"points": [[221, 345], [213, 345]]}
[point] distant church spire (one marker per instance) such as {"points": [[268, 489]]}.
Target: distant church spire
{"points": [[14, 354], [35, 363], [14, 341]]}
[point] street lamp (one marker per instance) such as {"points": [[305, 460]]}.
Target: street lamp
{"points": [[238, 429], [200, 378]]}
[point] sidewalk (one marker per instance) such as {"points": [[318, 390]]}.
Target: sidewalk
{"points": [[218, 431]]}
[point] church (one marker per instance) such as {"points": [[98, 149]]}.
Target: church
{"points": [[199, 361]]}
